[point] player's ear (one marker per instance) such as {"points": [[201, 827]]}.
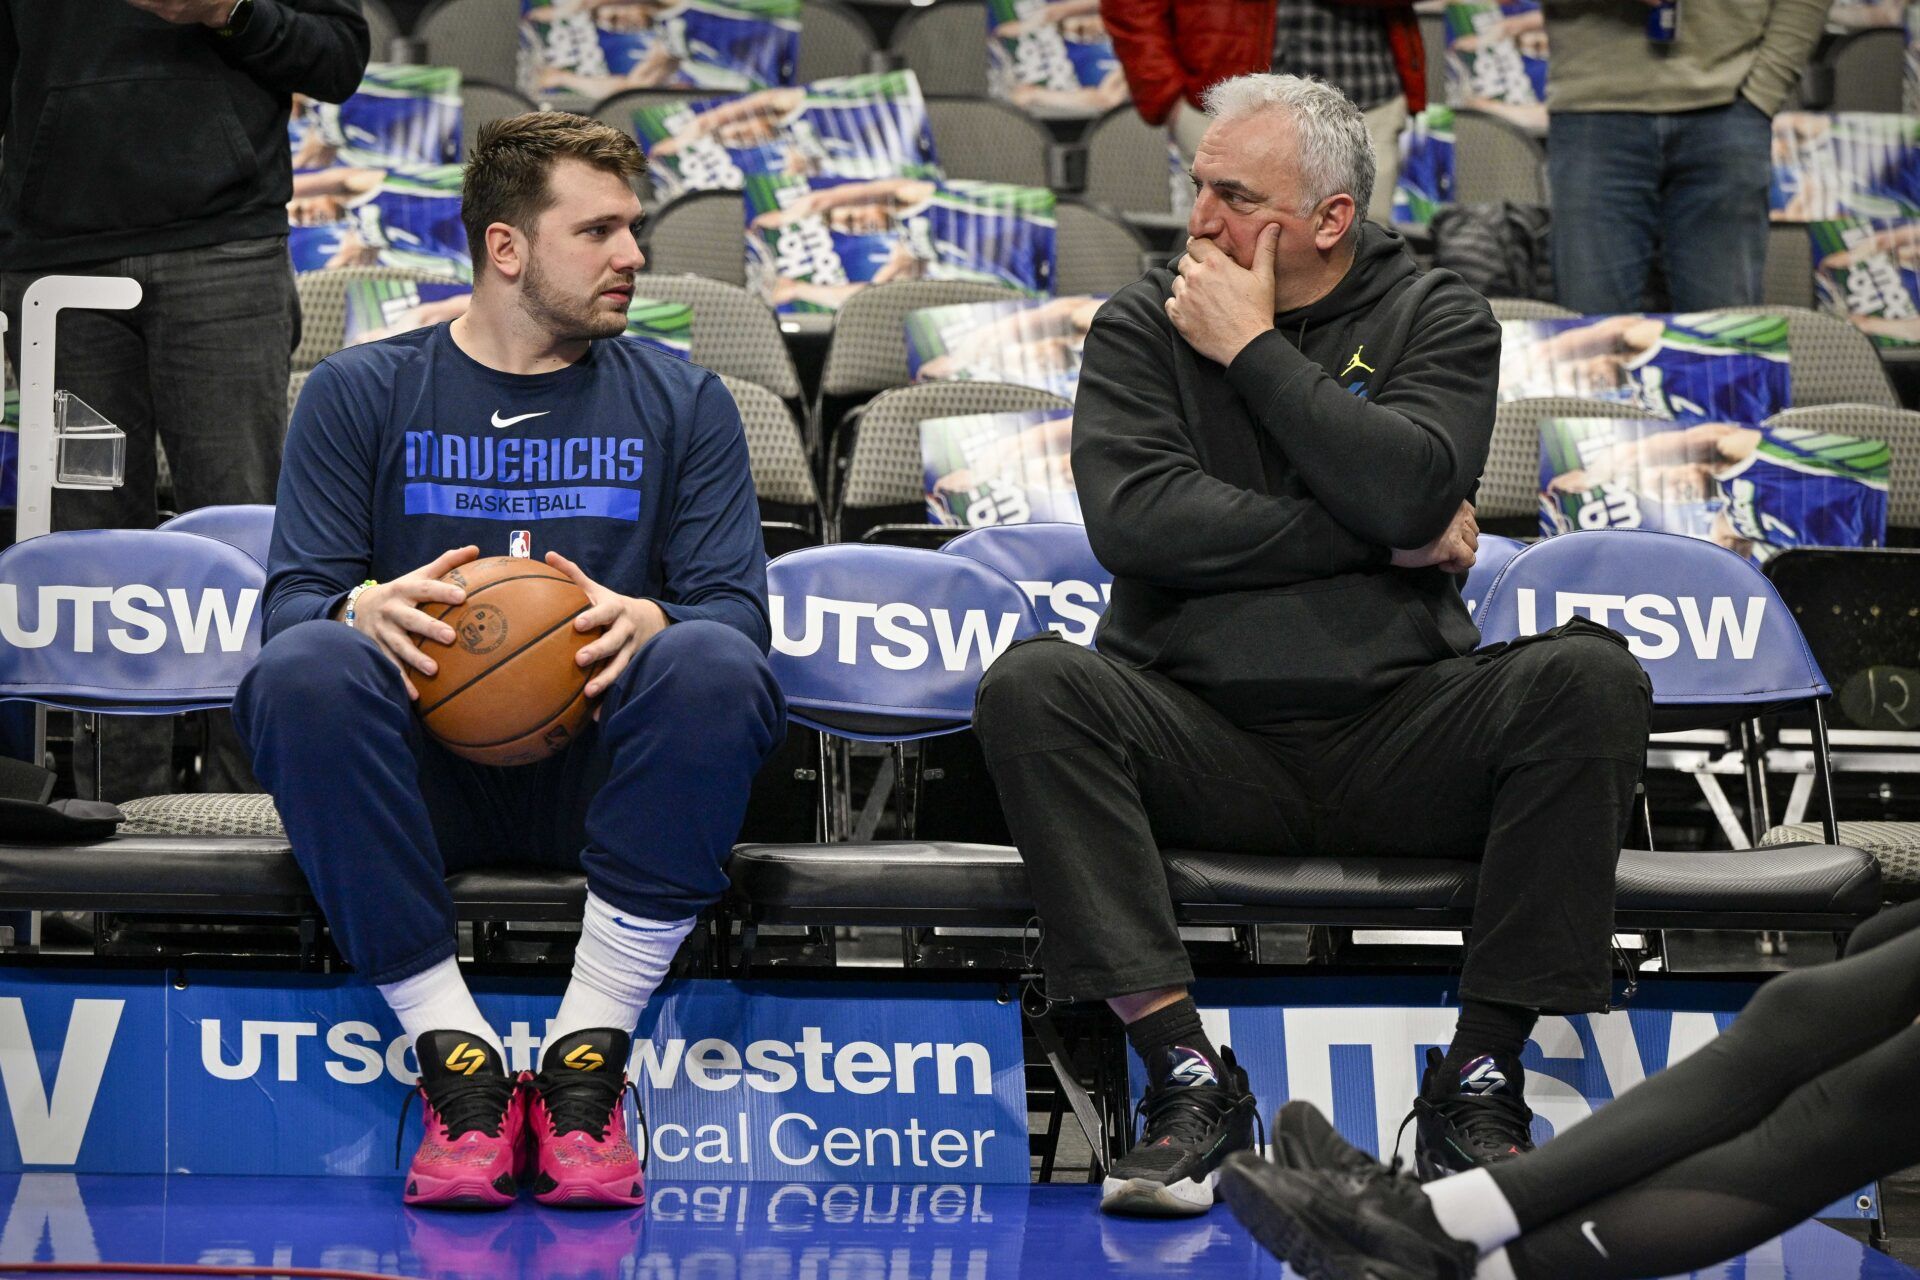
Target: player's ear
{"points": [[506, 250]]}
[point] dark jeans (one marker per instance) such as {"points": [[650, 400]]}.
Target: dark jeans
{"points": [[1691, 185], [201, 365], [1807, 1097], [647, 801], [1523, 757]]}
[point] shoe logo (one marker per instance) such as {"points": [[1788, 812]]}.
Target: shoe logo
{"points": [[584, 1059], [1593, 1238], [499, 421], [1355, 363], [466, 1059], [1192, 1069], [1482, 1076]]}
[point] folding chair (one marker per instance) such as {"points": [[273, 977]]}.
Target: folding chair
{"points": [[247, 526], [977, 137], [782, 471], [481, 37], [703, 233], [482, 103], [1130, 168], [1495, 160], [1528, 309], [868, 350], [323, 305], [1510, 486], [878, 452], [1495, 552], [1714, 635], [1096, 251], [1054, 564], [1857, 608], [834, 41], [1833, 362], [945, 45], [734, 333]]}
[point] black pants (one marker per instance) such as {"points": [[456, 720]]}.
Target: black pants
{"points": [[1523, 757], [1806, 1097]]}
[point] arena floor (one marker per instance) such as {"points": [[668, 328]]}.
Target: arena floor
{"points": [[736, 1231]]}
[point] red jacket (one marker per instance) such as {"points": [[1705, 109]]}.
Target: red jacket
{"points": [[1172, 49]]}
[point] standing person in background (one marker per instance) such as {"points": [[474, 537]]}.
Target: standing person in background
{"points": [[148, 138], [1370, 50], [1663, 145]]}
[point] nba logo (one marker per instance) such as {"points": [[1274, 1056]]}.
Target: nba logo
{"points": [[520, 544]]}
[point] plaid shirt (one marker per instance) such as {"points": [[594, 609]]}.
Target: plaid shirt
{"points": [[1344, 46]]}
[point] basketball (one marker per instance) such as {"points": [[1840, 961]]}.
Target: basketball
{"points": [[508, 690]]}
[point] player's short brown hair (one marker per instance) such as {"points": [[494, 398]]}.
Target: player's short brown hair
{"points": [[512, 159]]}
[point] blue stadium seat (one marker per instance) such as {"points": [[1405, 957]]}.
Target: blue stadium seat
{"points": [[1750, 659], [1495, 551], [248, 526], [1054, 564], [154, 622]]}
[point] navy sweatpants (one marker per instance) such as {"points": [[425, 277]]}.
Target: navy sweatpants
{"points": [[647, 802]]}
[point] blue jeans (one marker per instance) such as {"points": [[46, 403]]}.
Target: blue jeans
{"points": [[1693, 184], [647, 801]]}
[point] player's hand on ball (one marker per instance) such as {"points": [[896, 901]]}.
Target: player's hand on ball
{"points": [[1454, 551], [628, 623], [388, 613], [1218, 305], [210, 13]]}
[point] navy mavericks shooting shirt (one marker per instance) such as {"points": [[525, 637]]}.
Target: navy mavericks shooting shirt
{"points": [[630, 462]]}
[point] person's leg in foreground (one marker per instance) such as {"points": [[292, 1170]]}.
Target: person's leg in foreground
{"points": [[1805, 1098]]}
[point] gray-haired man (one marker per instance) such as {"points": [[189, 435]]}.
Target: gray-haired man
{"points": [[1275, 443]]}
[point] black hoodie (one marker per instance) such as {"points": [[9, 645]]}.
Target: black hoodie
{"points": [[126, 133], [1248, 513]]}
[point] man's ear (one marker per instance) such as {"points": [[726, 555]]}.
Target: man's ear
{"points": [[506, 250], [1333, 222]]}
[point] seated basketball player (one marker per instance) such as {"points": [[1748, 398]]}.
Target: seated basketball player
{"points": [[406, 458], [1274, 445]]}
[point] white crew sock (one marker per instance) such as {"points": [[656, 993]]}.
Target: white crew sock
{"points": [[1495, 1266], [437, 999], [620, 961], [1470, 1206]]}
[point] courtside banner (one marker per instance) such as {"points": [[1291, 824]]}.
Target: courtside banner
{"points": [[299, 1075]]}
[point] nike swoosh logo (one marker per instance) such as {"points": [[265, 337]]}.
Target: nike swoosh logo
{"points": [[499, 421], [640, 928], [1593, 1238]]}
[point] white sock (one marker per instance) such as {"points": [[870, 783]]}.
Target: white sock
{"points": [[437, 999], [1470, 1206], [1495, 1266], [620, 961]]}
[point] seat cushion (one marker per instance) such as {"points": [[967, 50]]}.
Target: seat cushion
{"points": [[1894, 845], [905, 882], [203, 815]]}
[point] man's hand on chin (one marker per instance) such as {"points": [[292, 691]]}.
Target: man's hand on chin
{"points": [[1219, 306]]}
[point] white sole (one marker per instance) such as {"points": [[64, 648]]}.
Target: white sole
{"points": [[1146, 1198]]}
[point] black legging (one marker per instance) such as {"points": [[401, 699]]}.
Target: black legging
{"points": [[1810, 1094]]}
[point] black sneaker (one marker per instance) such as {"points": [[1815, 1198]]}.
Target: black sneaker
{"points": [[1306, 1141], [1194, 1120], [1470, 1121], [1327, 1228]]}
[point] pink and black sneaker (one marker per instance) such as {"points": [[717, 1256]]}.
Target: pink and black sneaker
{"points": [[577, 1110], [473, 1154]]}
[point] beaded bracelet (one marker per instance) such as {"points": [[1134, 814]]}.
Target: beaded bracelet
{"points": [[354, 595]]}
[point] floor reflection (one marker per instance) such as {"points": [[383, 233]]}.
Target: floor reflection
{"points": [[726, 1231]]}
